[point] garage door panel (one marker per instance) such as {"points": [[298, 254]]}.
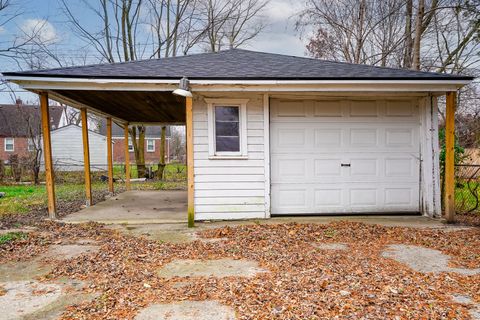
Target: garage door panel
{"points": [[332, 137], [364, 108], [398, 196], [332, 197], [360, 138], [345, 157], [401, 167], [401, 108], [400, 137], [333, 108], [289, 168], [362, 196]]}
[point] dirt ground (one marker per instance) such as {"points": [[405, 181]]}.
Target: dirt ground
{"points": [[306, 271]]}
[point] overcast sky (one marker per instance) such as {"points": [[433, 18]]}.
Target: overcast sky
{"points": [[278, 37]]}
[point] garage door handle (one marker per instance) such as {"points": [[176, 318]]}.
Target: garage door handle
{"points": [[345, 164]]}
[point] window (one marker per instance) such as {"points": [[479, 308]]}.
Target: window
{"points": [[227, 128], [130, 145], [9, 144], [31, 145], [150, 145]]}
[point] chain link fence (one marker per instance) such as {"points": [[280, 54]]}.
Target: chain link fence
{"points": [[467, 188]]}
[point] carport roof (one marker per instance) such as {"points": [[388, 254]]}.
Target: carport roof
{"points": [[237, 64]]}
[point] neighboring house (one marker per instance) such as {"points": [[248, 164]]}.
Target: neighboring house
{"points": [[67, 149], [18, 123], [152, 143], [275, 134]]}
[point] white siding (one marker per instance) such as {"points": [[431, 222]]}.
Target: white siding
{"points": [[67, 149], [229, 188]]}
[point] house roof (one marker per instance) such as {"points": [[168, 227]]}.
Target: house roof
{"points": [[16, 120], [238, 64], [76, 127], [117, 131]]}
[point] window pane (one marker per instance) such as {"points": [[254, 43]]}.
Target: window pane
{"points": [[226, 129], [226, 113], [228, 144], [9, 144]]}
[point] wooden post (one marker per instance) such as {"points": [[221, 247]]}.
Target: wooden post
{"points": [[127, 159], [47, 154], [190, 175], [450, 157], [109, 155], [86, 158]]}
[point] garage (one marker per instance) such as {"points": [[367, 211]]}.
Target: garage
{"points": [[332, 156]]}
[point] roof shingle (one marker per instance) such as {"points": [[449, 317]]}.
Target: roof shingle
{"points": [[238, 64]]}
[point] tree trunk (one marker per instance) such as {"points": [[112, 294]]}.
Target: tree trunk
{"points": [[407, 56], [139, 148], [161, 163], [418, 35]]}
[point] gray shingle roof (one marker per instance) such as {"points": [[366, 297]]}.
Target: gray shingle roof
{"points": [[17, 120], [238, 64]]}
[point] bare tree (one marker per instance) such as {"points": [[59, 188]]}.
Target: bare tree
{"points": [[363, 31], [231, 23]]}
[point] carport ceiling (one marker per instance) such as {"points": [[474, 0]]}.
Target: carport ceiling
{"points": [[132, 106]]}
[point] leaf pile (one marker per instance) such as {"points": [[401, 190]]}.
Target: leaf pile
{"points": [[303, 281]]}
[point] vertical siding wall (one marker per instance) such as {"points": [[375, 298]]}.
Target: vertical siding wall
{"points": [[229, 188], [67, 149]]}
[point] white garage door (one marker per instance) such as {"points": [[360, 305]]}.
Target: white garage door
{"points": [[344, 156]]}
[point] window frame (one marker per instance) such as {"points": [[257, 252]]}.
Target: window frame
{"points": [[130, 145], [153, 144], [5, 144], [241, 104], [30, 145]]}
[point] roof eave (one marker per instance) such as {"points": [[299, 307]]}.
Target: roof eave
{"points": [[124, 84]]}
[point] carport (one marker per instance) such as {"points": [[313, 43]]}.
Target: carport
{"points": [[125, 102]]}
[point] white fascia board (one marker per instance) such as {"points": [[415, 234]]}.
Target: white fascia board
{"points": [[36, 83]]}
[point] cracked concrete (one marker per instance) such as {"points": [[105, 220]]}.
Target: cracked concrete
{"points": [[423, 259], [26, 297], [187, 310], [210, 268]]}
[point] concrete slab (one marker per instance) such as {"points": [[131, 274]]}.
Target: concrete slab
{"points": [[210, 268], [68, 251], [187, 310], [331, 246], [474, 308], [25, 270], [26, 297], [423, 259], [137, 206]]}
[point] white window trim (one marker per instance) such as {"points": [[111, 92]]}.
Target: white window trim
{"points": [[130, 144], [153, 150], [242, 106], [30, 143], [5, 144]]}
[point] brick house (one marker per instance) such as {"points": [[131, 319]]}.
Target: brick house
{"points": [[152, 143], [18, 123]]}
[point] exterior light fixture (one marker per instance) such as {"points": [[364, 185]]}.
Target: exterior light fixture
{"points": [[183, 88]]}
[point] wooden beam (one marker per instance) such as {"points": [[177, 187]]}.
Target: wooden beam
{"points": [[47, 154], [86, 158], [127, 159], [190, 176], [450, 157], [110, 155]]}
